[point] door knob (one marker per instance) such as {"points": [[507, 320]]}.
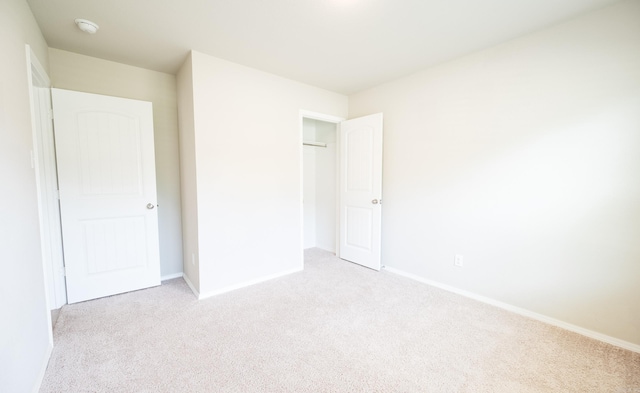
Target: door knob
{"points": [[150, 206], [375, 201]]}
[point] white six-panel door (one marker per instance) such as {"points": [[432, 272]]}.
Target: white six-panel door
{"points": [[106, 174], [361, 190]]}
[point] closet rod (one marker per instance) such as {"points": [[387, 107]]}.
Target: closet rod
{"points": [[316, 144]]}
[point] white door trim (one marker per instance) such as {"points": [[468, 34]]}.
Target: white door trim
{"points": [[320, 116], [37, 76], [47, 183]]}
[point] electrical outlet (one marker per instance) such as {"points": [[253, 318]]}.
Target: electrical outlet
{"points": [[193, 258], [458, 260]]}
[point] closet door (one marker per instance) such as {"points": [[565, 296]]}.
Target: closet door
{"points": [[361, 190]]}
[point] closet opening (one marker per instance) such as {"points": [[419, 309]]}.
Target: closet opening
{"points": [[320, 184]]}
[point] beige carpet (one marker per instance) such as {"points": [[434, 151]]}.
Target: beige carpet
{"points": [[336, 327]]}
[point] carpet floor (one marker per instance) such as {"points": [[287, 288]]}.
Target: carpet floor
{"points": [[335, 327]]}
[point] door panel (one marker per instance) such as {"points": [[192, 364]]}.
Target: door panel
{"points": [[359, 227], [106, 171], [110, 154], [361, 190], [359, 159], [111, 244]]}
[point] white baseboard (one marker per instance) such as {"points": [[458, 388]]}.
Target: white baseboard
{"points": [[43, 369], [539, 317], [190, 285], [171, 276], [248, 283]]}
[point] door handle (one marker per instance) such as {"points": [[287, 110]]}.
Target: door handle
{"points": [[150, 206], [375, 201]]}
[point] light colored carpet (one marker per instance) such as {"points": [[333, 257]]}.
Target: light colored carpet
{"points": [[336, 327]]}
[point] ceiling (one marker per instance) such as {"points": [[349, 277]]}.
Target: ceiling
{"points": [[341, 45]]}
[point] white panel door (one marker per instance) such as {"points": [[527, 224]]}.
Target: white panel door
{"points": [[106, 174], [361, 190]]}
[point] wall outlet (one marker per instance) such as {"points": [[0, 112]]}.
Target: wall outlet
{"points": [[458, 260], [193, 258]]}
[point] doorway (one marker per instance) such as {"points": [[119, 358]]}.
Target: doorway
{"points": [[342, 186], [319, 163], [44, 162]]}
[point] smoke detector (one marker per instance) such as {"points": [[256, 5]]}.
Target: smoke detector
{"points": [[87, 26]]}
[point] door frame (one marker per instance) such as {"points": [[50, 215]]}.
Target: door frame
{"points": [[37, 78], [46, 175], [305, 114]]}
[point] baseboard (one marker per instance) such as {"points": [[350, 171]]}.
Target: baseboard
{"points": [[171, 276], [190, 285], [43, 369], [248, 283], [521, 311]]}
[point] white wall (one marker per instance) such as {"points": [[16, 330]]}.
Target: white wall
{"points": [[73, 71], [525, 159], [249, 167], [25, 329], [189, 186]]}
